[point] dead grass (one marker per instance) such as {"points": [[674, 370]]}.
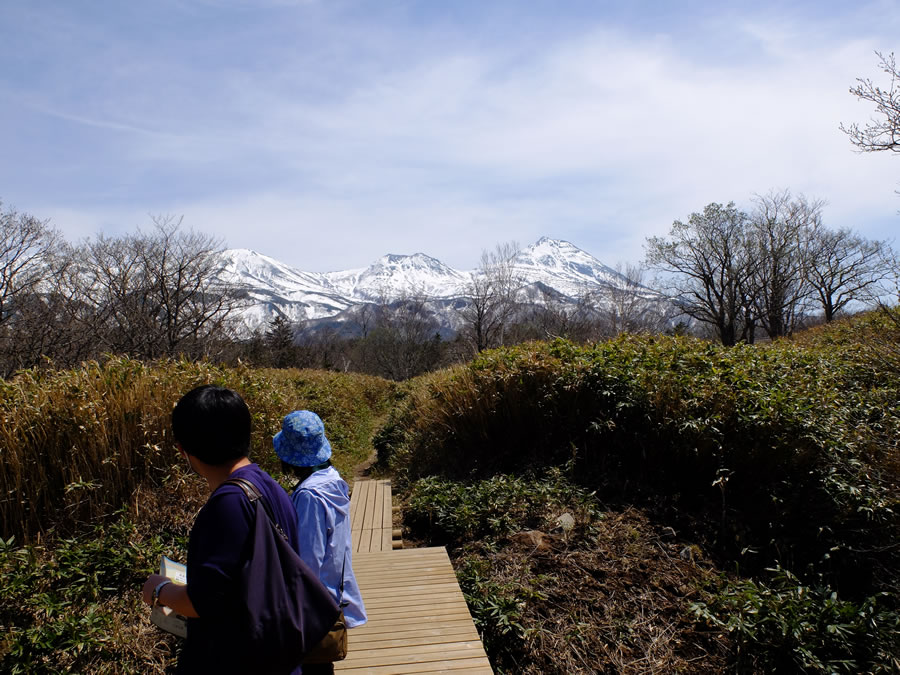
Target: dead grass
{"points": [[615, 602], [77, 444]]}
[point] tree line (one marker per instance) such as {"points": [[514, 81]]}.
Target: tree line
{"points": [[769, 270], [158, 294], [147, 295]]}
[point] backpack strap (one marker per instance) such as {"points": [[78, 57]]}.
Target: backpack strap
{"points": [[341, 602], [254, 495]]}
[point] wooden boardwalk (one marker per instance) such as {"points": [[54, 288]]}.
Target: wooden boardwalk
{"points": [[418, 618], [371, 516]]}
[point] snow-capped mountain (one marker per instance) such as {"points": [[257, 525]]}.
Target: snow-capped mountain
{"points": [[275, 289], [392, 276], [565, 268]]}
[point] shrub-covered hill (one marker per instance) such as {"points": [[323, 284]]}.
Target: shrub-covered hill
{"points": [[779, 461]]}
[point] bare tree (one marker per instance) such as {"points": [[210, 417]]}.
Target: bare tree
{"points": [[155, 295], [25, 246], [883, 131], [845, 267], [364, 317], [782, 234], [28, 267], [194, 305], [41, 331], [321, 345], [491, 298], [404, 341], [629, 306], [550, 314], [111, 296], [708, 269]]}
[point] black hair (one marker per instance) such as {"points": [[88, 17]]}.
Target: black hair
{"points": [[301, 473], [213, 424]]}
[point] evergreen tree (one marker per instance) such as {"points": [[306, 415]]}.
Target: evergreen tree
{"points": [[279, 341]]}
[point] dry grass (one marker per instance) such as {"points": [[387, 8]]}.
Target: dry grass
{"points": [[76, 445], [616, 602]]}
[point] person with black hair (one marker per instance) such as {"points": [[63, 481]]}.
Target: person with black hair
{"points": [[211, 426]]}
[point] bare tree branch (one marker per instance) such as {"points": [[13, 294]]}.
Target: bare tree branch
{"points": [[883, 130]]}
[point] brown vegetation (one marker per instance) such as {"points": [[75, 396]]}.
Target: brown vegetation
{"points": [[615, 603]]}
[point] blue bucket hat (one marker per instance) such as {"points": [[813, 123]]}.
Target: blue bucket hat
{"points": [[301, 441]]}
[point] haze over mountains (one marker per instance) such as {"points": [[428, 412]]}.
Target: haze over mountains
{"points": [[549, 266]]}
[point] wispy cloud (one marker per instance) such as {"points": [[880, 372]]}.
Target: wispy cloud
{"points": [[326, 136], [108, 125]]}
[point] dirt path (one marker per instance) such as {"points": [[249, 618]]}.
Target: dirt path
{"points": [[363, 470]]}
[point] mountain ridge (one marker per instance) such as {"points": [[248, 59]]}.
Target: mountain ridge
{"points": [[277, 289]]}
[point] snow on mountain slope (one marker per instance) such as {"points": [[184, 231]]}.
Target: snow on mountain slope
{"points": [[393, 276], [564, 267], [254, 270], [277, 289]]}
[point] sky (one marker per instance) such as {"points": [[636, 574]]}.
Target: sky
{"points": [[327, 133]]}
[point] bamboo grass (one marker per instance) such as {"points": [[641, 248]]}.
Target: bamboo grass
{"points": [[75, 444]]}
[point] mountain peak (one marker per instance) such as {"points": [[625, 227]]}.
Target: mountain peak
{"points": [[395, 275], [416, 259], [553, 244]]}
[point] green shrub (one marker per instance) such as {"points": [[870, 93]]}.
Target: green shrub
{"points": [[785, 626], [449, 513], [62, 604], [496, 608], [603, 596]]}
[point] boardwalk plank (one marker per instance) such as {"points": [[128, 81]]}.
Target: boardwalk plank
{"points": [[369, 506], [371, 560], [419, 653], [380, 604], [358, 503], [431, 609], [413, 588], [387, 516], [410, 623], [418, 618], [422, 636], [433, 553], [427, 617], [474, 665], [431, 572]]}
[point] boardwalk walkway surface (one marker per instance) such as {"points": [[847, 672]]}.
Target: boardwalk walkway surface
{"points": [[371, 516], [418, 618]]}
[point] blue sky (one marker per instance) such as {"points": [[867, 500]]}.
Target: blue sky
{"points": [[326, 133]]}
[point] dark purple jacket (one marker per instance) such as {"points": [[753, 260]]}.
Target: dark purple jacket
{"points": [[217, 551]]}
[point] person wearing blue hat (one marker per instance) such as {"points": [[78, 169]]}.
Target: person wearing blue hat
{"points": [[322, 502]]}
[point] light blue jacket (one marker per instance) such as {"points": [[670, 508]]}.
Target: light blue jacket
{"points": [[322, 502]]}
